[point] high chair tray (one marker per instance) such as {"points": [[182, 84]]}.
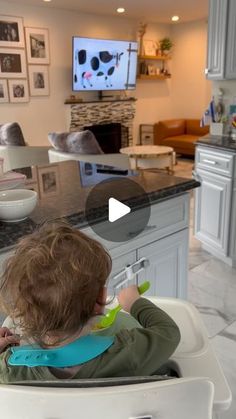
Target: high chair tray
{"points": [[194, 339]]}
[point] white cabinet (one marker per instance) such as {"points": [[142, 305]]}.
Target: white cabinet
{"points": [[213, 203], [167, 271], [230, 70], [217, 35], [164, 242], [221, 51]]}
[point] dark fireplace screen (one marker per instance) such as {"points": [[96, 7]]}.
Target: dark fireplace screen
{"points": [[111, 137]]}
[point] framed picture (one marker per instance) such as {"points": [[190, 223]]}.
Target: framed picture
{"points": [[48, 177], [11, 32], [149, 47], [18, 91], [37, 45], [4, 98], [38, 80], [12, 63]]}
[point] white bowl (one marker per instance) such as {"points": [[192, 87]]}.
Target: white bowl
{"points": [[17, 204]]}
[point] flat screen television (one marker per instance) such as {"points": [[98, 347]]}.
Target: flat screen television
{"points": [[102, 64]]}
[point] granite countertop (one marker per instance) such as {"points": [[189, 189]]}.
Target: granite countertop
{"points": [[217, 141], [64, 187]]}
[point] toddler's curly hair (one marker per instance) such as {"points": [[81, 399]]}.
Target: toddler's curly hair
{"points": [[53, 281]]}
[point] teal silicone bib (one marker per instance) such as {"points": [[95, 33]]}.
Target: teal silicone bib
{"points": [[78, 352]]}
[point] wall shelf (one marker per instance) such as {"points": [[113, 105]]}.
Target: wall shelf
{"points": [[154, 57], [153, 77], [149, 71]]}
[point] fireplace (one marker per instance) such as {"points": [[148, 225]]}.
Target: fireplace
{"points": [[111, 137], [104, 112]]}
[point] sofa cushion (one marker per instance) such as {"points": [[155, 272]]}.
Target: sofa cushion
{"points": [[11, 134], [193, 128], [80, 142], [168, 128], [183, 142]]}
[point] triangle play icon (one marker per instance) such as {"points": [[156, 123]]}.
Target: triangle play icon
{"points": [[117, 210]]}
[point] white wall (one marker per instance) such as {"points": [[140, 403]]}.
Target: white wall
{"points": [[156, 99], [190, 91]]}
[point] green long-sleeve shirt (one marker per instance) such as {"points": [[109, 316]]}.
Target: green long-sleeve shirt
{"points": [[135, 352]]}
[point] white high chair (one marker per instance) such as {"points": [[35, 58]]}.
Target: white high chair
{"points": [[200, 391], [182, 398]]}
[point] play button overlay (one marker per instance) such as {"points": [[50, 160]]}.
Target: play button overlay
{"points": [[118, 209]]}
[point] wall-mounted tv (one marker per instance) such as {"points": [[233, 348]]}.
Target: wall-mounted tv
{"points": [[101, 64]]}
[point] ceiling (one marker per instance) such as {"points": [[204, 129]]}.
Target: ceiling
{"points": [[143, 10]]}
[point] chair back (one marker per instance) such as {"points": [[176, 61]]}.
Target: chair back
{"points": [[114, 159], [178, 398], [16, 157]]}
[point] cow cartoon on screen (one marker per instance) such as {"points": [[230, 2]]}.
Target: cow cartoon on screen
{"points": [[100, 64]]}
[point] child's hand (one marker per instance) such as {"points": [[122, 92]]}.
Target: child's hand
{"points": [[7, 339], [128, 296]]}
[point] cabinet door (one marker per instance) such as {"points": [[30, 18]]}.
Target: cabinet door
{"points": [[217, 25], [230, 71], [168, 267], [213, 202]]}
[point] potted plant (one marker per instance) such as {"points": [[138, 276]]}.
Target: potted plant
{"points": [[165, 45]]}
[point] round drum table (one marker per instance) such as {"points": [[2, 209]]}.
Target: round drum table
{"points": [[150, 157]]}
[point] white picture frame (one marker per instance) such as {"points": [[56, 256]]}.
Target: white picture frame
{"points": [[149, 47], [12, 63], [37, 45], [18, 91], [4, 96], [11, 32], [49, 181], [38, 80]]}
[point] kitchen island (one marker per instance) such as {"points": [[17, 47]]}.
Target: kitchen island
{"points": [[215, 212], [164, 240]]}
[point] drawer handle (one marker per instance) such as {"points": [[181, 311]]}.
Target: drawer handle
{"points": [[214, 163], [142, 417]]}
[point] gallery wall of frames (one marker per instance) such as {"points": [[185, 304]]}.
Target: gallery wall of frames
{"points": [[24, 61]]}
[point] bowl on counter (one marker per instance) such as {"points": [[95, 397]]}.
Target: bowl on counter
{"points": [[17, 204]]}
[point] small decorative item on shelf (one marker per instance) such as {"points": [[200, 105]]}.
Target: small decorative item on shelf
{"points": [[143, 69], [141, 33], [151, 70], [165, 45], [149, 47]]}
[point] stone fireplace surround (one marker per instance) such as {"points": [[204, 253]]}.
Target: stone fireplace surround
{"points": [[103, 112]]}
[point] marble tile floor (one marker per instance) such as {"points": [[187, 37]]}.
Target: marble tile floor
{"points": [[212, 289]]}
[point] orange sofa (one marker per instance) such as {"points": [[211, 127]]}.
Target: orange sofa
{"points": [[180, 134]]}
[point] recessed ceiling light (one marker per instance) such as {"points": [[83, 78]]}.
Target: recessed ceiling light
{"points": [[47, 0], [175, 18], [120, 10]]}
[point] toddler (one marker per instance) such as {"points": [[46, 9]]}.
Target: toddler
{"points": [[52, 288]]}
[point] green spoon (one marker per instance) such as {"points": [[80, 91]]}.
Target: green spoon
{"points": [[110, 316]]}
